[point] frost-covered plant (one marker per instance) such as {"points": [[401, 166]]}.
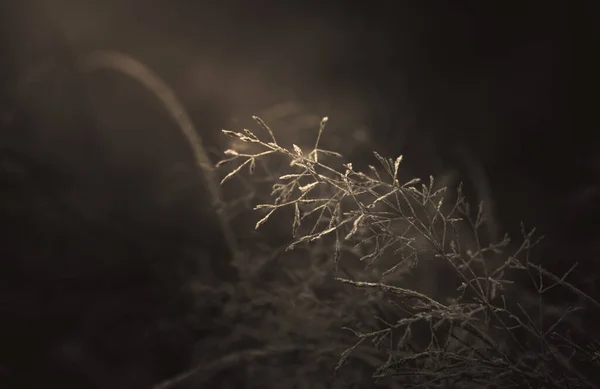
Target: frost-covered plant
{"points": [[483, 334]]}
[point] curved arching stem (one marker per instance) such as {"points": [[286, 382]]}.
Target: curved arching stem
{"points": [[125, 64]]}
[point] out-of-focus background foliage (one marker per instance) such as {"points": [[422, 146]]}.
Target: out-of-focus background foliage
{"points": [[104, 218]]}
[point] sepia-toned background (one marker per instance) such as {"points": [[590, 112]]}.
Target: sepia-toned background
{"points": [[104, 214]]}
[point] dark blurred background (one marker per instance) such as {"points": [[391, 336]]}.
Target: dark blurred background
{"points": [[103, 214]]}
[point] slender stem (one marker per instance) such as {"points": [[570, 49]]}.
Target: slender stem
{"points": [[131, 67]]}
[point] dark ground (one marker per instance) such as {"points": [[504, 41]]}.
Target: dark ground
{"points": [[92, 267]]}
